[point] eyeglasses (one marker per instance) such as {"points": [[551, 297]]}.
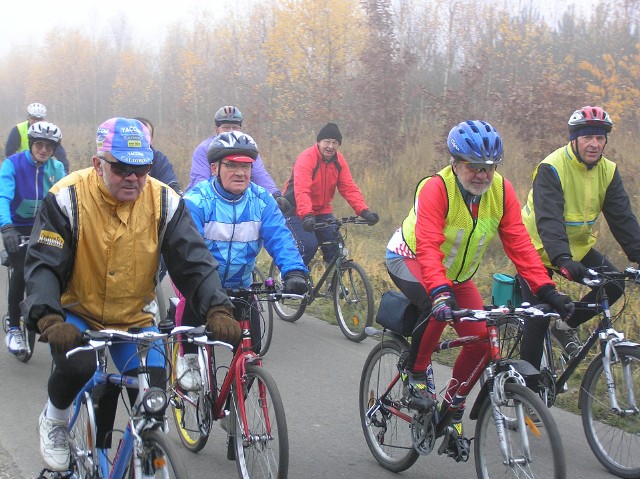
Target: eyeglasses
{"points": [[123, 170], [236, 165], [334, 143], [478, 167], [43, 144]]}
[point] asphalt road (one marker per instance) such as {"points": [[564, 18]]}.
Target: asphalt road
{"points": [[317, 371]]}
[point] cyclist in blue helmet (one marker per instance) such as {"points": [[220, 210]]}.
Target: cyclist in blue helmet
{"points": [[434, 255]]}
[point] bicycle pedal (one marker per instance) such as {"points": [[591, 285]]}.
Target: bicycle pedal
{"points": [[454, 446]]}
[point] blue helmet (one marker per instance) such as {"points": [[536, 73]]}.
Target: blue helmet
{"points": [[475, 141]]}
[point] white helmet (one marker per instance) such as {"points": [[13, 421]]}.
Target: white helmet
{"points": [[44, 130], [37, 110]]}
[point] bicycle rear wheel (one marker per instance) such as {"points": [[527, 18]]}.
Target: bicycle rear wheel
{"points": [[82, 442], [264, 452], [287, 309], [352, 300], [532, 445], [266, 316], [614, 437], [387, 434], [191, 410], [159, 457]]}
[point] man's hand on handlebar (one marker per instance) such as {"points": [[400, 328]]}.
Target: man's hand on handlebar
{"points": [[560, 302]]}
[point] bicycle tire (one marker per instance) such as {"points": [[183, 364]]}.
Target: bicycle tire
{"points": [[191, 410], [352, 300], [30, 336], [266, 316], [289, 310], [159, 457], [611, 436], [82, 442], [388, 436], [266, 455], [543, 444]]}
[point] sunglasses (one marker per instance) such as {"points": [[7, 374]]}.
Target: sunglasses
{"points": [[123, 170], [478, 167]]}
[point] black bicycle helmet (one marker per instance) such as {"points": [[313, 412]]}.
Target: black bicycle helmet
{"points": [[231, 143]]}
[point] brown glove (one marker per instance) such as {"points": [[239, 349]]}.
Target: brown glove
{"points": [[223, 325], [61, 336]]}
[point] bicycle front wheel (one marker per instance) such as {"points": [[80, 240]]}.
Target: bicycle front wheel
{"points": [[531, 445], [388, 435], [159, 458], [266, 316], [287, 309], [614, 435], [191, 410], [30, 339], [263, 451], [82, 441], [352, 300]]}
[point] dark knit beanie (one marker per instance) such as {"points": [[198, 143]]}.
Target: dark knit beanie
{"points": [[330, 131], [586, 131]]}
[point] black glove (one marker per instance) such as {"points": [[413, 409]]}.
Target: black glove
{"points": [[295, 282], [284, 205], [443, 302], [371, 217], [308, 223], [572, 270], [10, 238], [560, 302]]}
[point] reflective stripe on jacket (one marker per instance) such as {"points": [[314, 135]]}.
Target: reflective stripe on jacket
{"points": [[584, 191], [466, 238]]}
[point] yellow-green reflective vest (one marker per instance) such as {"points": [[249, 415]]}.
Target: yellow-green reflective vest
{"points": [[466, 239], [584, 192], [23, 129]]}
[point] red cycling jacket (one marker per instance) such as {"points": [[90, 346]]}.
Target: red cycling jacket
{"points": [[313, 182]]}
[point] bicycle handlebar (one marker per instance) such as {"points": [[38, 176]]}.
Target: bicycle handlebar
{"points": [[96, 340], [539, 311], [268, 294], [354, 220], [599, 277]]}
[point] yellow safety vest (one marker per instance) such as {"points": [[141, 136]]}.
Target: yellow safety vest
{"points": [[23, 129], [584, 192], [466, 239]]}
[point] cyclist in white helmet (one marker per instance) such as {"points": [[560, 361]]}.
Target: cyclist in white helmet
{"points": [[17, 140], [25, 179]]}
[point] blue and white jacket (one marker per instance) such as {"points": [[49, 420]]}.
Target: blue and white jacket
{"points": [[23, 185], [235, 227]]}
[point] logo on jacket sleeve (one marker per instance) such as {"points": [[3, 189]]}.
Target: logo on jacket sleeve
{"points": [[50, 238]]}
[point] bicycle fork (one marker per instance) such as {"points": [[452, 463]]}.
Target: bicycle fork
{"points": [[610, 354]]}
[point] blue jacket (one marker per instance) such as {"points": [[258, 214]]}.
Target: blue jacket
{"points": [[235, 227], [23, 186], [162, 170]]}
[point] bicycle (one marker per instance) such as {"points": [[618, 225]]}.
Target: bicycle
{"points": [[349, 287], [28, 337], [515, 434], [610, 388], [256, 424], [145, 450], [266, 320]]}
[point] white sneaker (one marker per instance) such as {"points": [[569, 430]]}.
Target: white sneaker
{"points": [[188, 372], [14, 340], [54, 443]]}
